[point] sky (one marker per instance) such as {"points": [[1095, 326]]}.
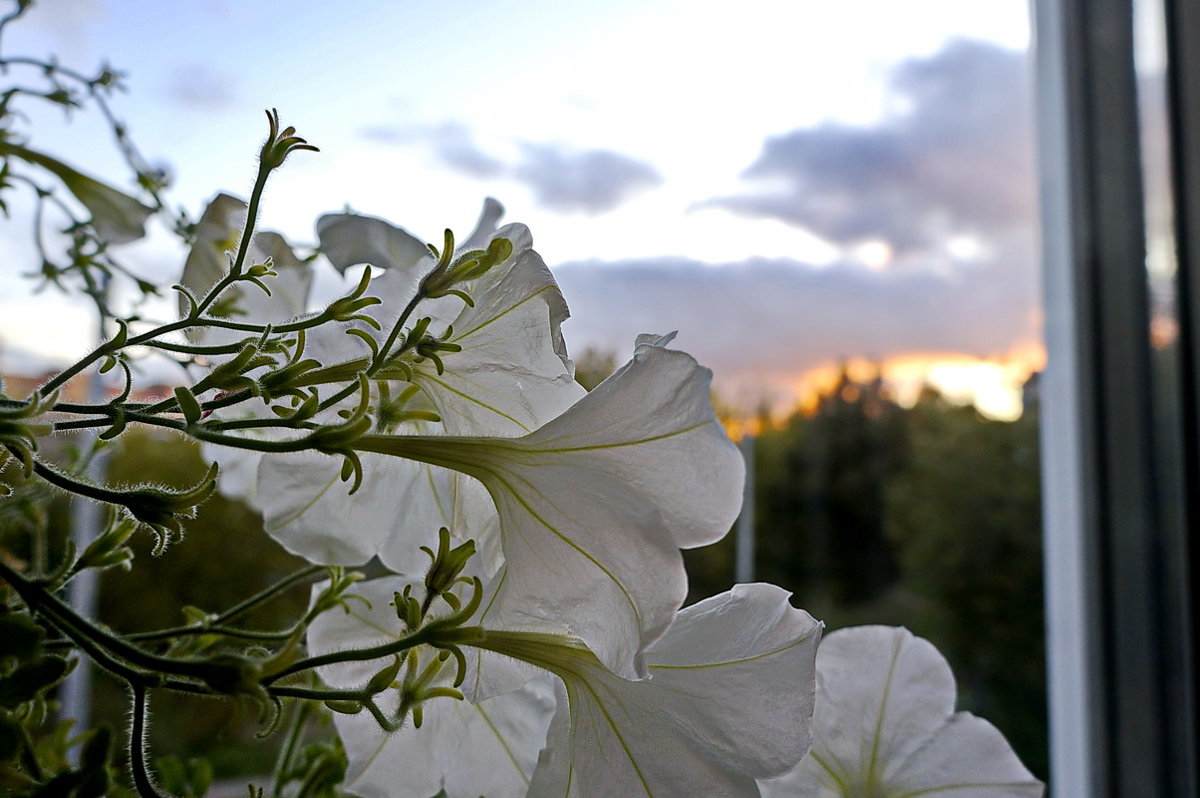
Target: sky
{"points": [[788, 184]]}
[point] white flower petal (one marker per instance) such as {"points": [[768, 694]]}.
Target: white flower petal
{"points": [[701, 725], [966, 758], [488, 748], [884, 726], [348, 239], [217, 235], [511, 375], [887, 692], [399, 508], [595, 505], [485, 228], [755, 655]]}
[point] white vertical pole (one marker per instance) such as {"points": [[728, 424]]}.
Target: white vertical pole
{"points": [[744, 558], [83, 590]]}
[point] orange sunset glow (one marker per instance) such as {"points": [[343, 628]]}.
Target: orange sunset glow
{"points": [[992, 384]]}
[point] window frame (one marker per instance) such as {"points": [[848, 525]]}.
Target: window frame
{"points": [[1120, 497]]}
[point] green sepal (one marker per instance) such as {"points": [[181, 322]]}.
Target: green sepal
{"points": [[119, 422], [345, 707], [20, 636], [28, 680], [383, 680]]}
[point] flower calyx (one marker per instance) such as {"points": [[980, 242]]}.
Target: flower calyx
{"points": [[287, 380], [391, 412], [19, 433], [109, 548], [445, 569], [422, 683], [347, 308], [280, 143], [232, 674], [231, 375], [163, 510], [338, 439], [336, 592], [451, 271], [419, 345]]}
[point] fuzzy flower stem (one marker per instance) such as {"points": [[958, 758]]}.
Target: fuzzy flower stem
{"points": [[137, 746], [354, 655]]}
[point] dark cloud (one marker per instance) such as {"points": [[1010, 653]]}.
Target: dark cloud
{"points": [[953, 157], [457, 149], [763, 322], [569, 181], [451, 143], [201, 86], [592, 181]]}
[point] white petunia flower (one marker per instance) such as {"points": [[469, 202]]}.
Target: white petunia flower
{"points": [[467, 749], [729, 700], [505, 373], [217, 235], [595, 505], [218, 232], [885, 727]]}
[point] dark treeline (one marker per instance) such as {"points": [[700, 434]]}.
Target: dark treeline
{"points": [[927, 517]]}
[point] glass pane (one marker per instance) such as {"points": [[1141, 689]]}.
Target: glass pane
{"points": [[833, 203]]}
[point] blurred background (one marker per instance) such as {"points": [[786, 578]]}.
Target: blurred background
{"points": [[834, 203]]}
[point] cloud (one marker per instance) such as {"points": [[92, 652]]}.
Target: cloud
{"points": [[953, 157], [70, 22], [592, 181], [765, 322], [451, 142], [569, 181], [201, 86]]}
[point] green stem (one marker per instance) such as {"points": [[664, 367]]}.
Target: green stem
{"points": [[235, 271], [271, 447], [268, 594], [381, 358], [193, 631], [137, 746], [288, 751], [78, 487], [312, 694], [354, 655], [262, 423], [240, 608], [82, 631]]}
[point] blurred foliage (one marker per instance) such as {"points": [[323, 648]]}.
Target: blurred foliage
{"points": [[225, 553], [927, 517], [594, 366]]}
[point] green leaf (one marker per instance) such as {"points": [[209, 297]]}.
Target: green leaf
{"points": [[11, 739], [97, 749], [117, 217], [20, 637], [171, 773], [27, 681]]}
